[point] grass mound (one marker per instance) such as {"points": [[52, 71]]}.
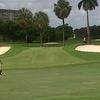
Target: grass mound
{"points": [[32, 57]]}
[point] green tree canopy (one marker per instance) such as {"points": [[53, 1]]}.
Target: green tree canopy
{"points": [[41, 22], [88, 5], [25, 20], [62, 10]]}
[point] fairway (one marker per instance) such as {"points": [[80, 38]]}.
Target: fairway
{"points": [[78, 82], [32, 57], [50, 73]]}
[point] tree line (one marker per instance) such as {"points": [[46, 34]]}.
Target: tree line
{"points": [[82, 32], [14, 31], [36, 28]]}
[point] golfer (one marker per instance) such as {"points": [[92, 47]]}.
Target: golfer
{"points": [[1, 73], [1, 67]]}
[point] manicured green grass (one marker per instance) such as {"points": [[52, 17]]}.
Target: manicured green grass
{"points": [[90, 57], [50, 73], [75, 82], [37, 57]]}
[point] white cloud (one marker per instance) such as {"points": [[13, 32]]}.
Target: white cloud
{"points": [[46, 10], [82, 12]]}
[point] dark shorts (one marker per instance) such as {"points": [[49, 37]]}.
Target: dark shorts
{"points": [[0, 72]]}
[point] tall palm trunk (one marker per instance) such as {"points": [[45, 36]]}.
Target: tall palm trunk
{"points": [[41, 39], [88, 29], [26, 38], [63, 32]]}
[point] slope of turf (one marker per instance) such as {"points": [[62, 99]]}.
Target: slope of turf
{"points": [[32, 57], [90, 57]]}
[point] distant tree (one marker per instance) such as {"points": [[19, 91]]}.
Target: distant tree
{"points": [[88, 5], [11, 28], [68, 30], [49, 34], [41, 22], [8, 30], [25, 20], [62, 10], [25, 14], [2, 31], [81, 33]]}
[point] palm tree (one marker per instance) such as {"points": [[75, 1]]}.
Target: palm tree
{"points": [[25, 14], [62, 10], [25, 20], [41, 21], [88, 5]]}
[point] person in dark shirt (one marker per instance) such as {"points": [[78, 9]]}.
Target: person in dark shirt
{"points": [[1, 73]]}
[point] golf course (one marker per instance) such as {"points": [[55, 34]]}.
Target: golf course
{"points": [[50, 73], [49, 50]]}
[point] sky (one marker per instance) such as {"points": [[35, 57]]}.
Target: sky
{"points": [[76, 19]]}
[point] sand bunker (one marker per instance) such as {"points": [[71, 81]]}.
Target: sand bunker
{"points": [[4, 50], [51, 43], [88, 48]]}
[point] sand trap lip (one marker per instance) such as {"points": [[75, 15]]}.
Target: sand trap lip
{"points": [[3, 50], [51, 43], [88, 48]]}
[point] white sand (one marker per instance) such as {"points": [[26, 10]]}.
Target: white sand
{"points": [[51, 43], [88, 48], [4, 50]]}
